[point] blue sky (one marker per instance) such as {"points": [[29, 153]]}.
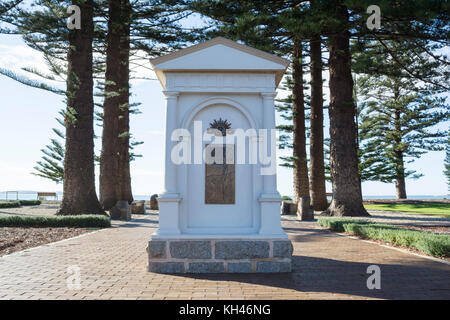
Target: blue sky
{"points": [[27, 116]]}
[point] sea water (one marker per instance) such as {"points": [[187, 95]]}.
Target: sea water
{"points": [[32, 195]]}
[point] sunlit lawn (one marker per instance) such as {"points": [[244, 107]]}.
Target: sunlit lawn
{"points": [[434, 209]]}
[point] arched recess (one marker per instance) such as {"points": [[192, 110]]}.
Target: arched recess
{"points": [[217, 100], [252, 208]]}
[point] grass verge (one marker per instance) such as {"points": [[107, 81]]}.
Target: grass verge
{"points": [[433, 209], [436, 245], [79, 221]]}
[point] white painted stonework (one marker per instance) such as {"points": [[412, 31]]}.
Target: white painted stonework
{"points": [[218, 79]]}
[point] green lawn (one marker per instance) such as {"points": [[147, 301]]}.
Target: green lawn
{"points": [[434, 209], [437, 245]]}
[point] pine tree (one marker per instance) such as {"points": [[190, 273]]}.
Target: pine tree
{"points": [[115, 180], [52, 164], [447, 162], [398, 112], [317, 167], [347, 196], [300, 163], [407, 20], [79, 195], [396, 125], [132, 28], [8, 5], [68, 54], [153, 31]]}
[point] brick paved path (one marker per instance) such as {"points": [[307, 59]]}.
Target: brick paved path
{"points": [[113, 266]]}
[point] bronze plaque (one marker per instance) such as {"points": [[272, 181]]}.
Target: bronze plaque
{"points": [[220, 175]]}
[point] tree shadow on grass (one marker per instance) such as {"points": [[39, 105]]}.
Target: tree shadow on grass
{"points": [[411, 219]]}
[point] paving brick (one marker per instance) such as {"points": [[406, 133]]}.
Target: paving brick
{"points": [[113, 264]]}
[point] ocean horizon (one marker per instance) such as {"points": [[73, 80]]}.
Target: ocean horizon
{"points": [[32, 195]]}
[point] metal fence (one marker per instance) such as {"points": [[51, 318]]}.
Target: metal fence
{"points": [[26, 195]]}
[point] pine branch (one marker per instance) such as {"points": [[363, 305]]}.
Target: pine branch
{"points": [[30, 82]]}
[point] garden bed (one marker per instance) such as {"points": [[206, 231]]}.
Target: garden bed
{"points": [[17, 239]]}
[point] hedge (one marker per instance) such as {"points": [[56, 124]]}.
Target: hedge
{"points": [[437, 245], [9, 204], [80, 221], [30, 202], [18, 203]]}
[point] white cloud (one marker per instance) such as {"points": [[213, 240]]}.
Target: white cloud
{"points": [[15, 57]]}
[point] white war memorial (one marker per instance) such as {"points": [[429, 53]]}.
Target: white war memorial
{"points": [[220, 209]]}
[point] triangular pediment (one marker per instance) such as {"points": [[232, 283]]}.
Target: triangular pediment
{"points": [[220, 54]]}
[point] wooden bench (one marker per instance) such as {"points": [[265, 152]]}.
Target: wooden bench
{"points": [[47, 194], [329, 194]]}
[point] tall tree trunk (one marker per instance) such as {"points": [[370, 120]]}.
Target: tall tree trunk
{"points": [[115, 182], [124, 185], [109, 161], [347, 196], [400, 186], [79, 195], [301, 181], [317, 173]]}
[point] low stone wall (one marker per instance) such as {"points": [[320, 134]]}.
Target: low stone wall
{"points": [[219, 256]]}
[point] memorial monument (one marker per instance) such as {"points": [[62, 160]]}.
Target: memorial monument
{"points": [[220, 209]]}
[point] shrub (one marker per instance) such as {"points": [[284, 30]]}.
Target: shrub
{"points": [[286, 198], [18, 203], [9, 204], [434, 244], [29, 202], [80, 221], [337, 224]]}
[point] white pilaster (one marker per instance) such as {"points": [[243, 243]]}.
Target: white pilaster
{"points": [[169, 209], [270, 199], [170, 169], [269, 181]]}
